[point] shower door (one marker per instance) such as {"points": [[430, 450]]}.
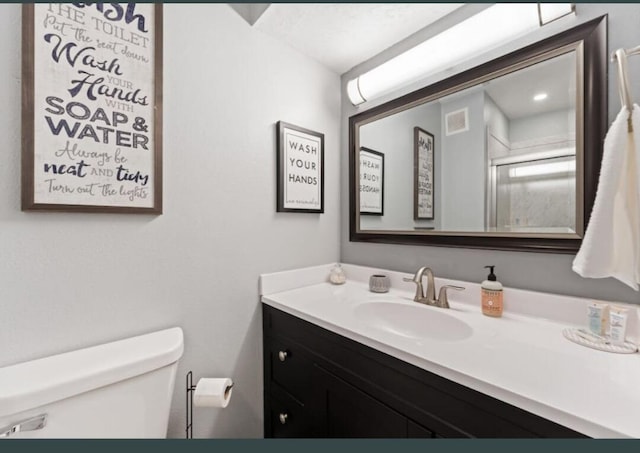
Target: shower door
{"points": [[534, 194]]}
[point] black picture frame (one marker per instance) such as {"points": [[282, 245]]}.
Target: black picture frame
{"points": [[300, 169], [371, 181], [423, 174]]}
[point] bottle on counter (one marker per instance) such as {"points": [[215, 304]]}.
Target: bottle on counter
{"points": [[491, 293]]}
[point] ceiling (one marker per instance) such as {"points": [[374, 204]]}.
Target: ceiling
{"points": [[343, 35]]}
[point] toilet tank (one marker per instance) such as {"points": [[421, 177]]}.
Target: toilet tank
{"points": [[121, 389]]}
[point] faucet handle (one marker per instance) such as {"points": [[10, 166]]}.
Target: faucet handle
{"points": [[419, 291], [443, 300]]}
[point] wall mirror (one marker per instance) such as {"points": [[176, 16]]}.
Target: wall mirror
{"points": [[503, 156]]}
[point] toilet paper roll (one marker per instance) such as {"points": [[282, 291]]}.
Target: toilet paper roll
{"points": [[212, 392]]}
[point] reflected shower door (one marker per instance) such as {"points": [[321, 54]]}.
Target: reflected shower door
{"points": [[537, 195]]}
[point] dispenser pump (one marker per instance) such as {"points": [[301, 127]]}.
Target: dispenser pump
{"points": [[492, 277]]}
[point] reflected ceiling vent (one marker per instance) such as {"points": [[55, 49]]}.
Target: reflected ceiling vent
{"points": [[456, 122]]}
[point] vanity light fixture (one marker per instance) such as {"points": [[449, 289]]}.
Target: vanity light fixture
{"points": [[548, 12], [477, 34], [540, 97]]}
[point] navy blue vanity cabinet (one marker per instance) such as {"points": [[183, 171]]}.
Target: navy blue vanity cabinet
{"points": [[319, 384]]}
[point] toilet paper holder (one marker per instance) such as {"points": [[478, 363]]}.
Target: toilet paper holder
{"points": [[189, 397]]}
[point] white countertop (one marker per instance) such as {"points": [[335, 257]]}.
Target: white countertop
{"points": [[521, 358]]}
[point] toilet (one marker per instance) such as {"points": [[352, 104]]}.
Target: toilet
{"points": [[121, 389]]}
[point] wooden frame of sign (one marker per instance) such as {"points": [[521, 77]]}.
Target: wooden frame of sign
{"points": [[92, 107]]}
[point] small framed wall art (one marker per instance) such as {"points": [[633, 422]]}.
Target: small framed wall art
{"points": [[371, 182], [423, 150], [300, 171], [92, 107]]}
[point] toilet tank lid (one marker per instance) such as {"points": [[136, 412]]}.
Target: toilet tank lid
{"points": [[32, 384]]}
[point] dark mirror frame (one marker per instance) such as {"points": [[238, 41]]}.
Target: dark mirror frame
{"points": [[593, 35]]}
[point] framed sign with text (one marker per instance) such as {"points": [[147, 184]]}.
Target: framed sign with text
{"points": [[371, 182], [92, 107], [423, 149], [300, 169]]}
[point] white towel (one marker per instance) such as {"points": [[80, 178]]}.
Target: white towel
{"points": [[611, 244]]}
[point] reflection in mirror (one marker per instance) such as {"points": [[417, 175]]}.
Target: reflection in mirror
{"points": [[504, 155], [371, 182], [535, 194], [531, 148]]}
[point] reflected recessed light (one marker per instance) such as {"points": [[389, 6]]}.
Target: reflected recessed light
{"points": [[540, 97]]}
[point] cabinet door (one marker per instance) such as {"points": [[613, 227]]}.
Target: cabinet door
{"points": [[288, 417], [419, 432], [349, 413]]}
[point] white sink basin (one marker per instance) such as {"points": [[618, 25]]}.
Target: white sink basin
{"points": [[413, 321]]}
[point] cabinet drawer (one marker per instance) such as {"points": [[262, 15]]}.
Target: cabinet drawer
{"points": [[289, 418], [290, 368]]}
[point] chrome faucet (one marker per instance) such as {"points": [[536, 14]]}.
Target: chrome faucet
{"points": [[430, 297], [431, 286], [443, 300]]}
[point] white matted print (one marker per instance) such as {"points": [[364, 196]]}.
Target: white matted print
{"points": [[300, 169], [371, 182]]}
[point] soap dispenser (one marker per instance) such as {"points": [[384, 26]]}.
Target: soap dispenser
{"points": [[491, 290]]}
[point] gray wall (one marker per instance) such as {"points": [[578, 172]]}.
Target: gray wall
{"points": [[537, 271], [557, 123], [462, 166], [498, 125], [74, 280]]}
